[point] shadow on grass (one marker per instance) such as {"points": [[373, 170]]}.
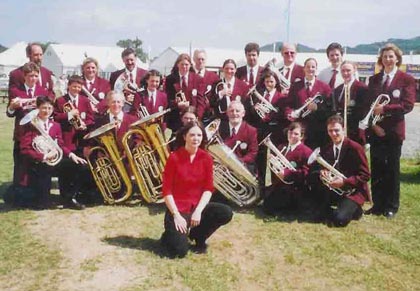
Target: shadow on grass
{"points": [[143, 243]]}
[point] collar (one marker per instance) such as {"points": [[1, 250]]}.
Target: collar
{"points": [[202, 72], [236, 127], [73, 98], [151, 93], [391, 74], [120, 116], [254, 69], [27, 88], [312, 82], [290, 67], [294, 146], [231, 82], [339, 146], [90, 81], [132, 72]]}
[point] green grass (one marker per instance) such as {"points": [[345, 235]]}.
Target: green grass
{"points": [[253, 252]]}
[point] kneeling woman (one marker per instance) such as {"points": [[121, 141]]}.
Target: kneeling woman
{"points": [[187, 189]]}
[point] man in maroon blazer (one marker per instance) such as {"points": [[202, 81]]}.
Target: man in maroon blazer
{"points": [[22, 101], [75, 123], [387, 136], [37, 172], [131, 72], [34, 53], [250, 73], [290, 70], [357, 103], [349, 158], [239, 135]]}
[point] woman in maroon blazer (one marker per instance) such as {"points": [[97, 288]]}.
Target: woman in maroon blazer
{"points": [[387, 136]]}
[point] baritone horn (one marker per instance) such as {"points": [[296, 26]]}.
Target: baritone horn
{"points": [[381, 100], [107, 166], [147, 152], [264, 107]]}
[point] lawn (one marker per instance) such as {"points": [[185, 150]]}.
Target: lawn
{"points": [[117, 248]]}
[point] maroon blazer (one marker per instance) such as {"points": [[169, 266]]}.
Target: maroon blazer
{"points": [[16, 80], [128, 119], [99, 90], [298, 158], [353, 164], [19, 113], [247, 135], [73, 138], [298, 94], [402, 92], [139, 76], [241, 74], [143, 99], [297, 73]]}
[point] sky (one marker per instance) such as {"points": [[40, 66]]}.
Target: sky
{"points": [[216, 23]]}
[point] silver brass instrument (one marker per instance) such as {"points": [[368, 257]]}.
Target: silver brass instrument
{"points": [[148, 157], [277, 162], [43, 143], [303, 111], [333, 173], [76, 121], [231, 177], [25, 103], [264, 107], [132, 87], [284, 82], [89, 95], [381, 100]]}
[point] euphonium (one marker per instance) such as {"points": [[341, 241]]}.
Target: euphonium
{"points": [[303, 111], [284, 83], [264, 107], [231, 177], [148, 157], [43, 143], [333, 173], [382, 99], [277, 161], [75, 121], [107, 167]]}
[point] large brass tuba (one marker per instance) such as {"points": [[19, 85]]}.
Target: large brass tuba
{"points": [[231, 177], [107, 167], [147, 156]]}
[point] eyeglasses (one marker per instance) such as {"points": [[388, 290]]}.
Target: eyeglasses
{"points": [[289, 53]]}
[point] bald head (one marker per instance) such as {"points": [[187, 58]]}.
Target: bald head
{"points": [[288, 52]]}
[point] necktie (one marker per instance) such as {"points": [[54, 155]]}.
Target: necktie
{"points": [[184, 83], [90, 86], [332, 81], [308, 88], [30, 93], [131, 78], [386, 84], [251, 77], [335, 153], [46, 126], [117, 123], [286, 73], [199, 72], [233, 132], [267, 96]]}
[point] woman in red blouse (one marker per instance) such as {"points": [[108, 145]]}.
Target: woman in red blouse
{"points": [[187, 189]]}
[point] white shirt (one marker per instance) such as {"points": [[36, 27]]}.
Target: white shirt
{"points": [[271, 95], [289, 69], [390, 74], [310, 82], [254, 72], [186, 79], [292, 147], [133, 73], [152, 94], [337, 150], [326, 74], [236, 128], [120, 117]]}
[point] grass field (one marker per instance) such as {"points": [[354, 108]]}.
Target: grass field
{"points": [[117, 248]]}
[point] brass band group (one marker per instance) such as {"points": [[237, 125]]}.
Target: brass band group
{"points": [[285, 137]]}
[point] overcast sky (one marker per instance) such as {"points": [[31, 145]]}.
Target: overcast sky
{"points": [[213, 23]]}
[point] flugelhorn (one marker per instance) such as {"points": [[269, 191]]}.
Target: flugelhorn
{"points": [[381, 100], [271, 65], [277, 162], [264, 107], [43, 143], [303, 111], [76, 121], [333, 173]]}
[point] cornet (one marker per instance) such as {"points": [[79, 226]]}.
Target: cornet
{"points": [[264, 107], [381, 100], [303, 111], [284, 83], [75, 121]]}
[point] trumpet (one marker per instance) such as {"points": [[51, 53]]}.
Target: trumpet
{"points": [[89, 95], [333, 173], [75, 121], [264, 107], [277, 161], [284, 83], [303, 111], [381, 100]]}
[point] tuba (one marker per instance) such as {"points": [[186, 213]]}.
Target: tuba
{"points": [[333, 173], [75, 121], [43, 143], [264, 107], [230, 176], [382, 99], [303, 111], [277, 161], [107, 167], [148, 157]]}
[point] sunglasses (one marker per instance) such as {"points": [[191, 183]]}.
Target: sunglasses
{"points": [[289, 53]]}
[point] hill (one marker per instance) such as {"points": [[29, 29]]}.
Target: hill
{"points": [[2, 48]]}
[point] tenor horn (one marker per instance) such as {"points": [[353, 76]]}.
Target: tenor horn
{"points": [[264, 107]]}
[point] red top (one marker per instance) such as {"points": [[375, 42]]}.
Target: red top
{"points": [[186, 180]]}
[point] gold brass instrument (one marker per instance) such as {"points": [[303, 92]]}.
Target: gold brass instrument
{"points": [[107, 166], [333, 173], [277, 162], [75, 121], [89, 95], [381, 100], [264, 107], [231, 177], [148, 157], [43, 143], [303, 111], [271, 65]]}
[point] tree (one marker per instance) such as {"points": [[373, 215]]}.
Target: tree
{"points": [[134, 44]]}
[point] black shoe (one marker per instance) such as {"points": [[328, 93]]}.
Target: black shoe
{"points": [[199, 248], [373, 211], [389, 214], [74, 204]]}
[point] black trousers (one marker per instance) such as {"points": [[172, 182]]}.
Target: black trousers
{"points": [[282, 197], [385, 170], [17, 163], [213, 216], [40, 181]]}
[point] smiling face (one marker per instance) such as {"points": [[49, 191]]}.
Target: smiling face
{"points": [[74, 88], [31, 78], [251, 58], [153, 83], [130, 61], [45, 110], [310, 69], [115, 103], [335, 57], [389, 60], [235, 113], [270, 83], [288, 53], [229, 71], [90, 70], [193, 138], [184, 67], [336, 132], [347, 72], [294, 135]]}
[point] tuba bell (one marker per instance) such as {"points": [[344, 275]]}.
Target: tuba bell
{"points": [[231, 177], [107, 167], [147, 157]]}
